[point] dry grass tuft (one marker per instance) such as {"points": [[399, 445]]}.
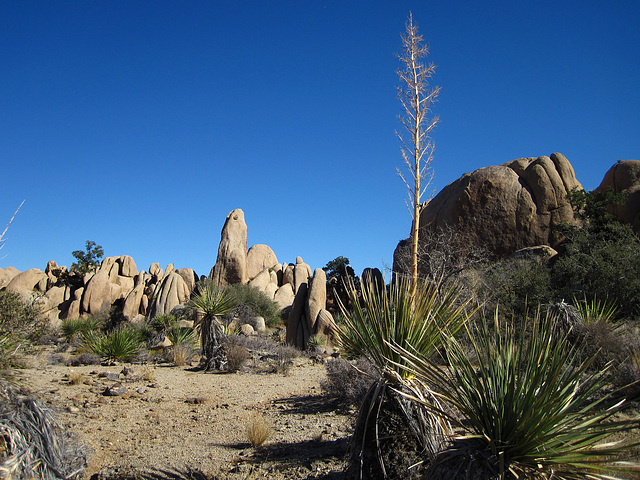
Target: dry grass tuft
{"points": [[148, 375], [258, 431], [181, 354], [75, 377]]}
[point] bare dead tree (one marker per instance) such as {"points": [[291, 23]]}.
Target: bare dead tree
{"points": [[444, 254], [417, 148]]}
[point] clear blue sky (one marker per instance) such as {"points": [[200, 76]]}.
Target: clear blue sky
{"points": [[141, 124]]}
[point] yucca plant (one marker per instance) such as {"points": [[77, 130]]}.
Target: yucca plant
{"points": [[120, 344], [528, 405], [596, 310], [421, 323], [211, 301], [78, 326]]}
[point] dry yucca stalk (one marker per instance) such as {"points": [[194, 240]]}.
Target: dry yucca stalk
{"points": [[34, 445]]}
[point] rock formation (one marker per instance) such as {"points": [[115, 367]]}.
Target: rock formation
{"points": [[118, 284], [231, 264], [506, 207], [259, 258], [624, 177]]}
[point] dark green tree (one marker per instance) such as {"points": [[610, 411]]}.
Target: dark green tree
{"points": [[338, 273], [89, 260]]}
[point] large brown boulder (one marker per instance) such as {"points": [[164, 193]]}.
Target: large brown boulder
{"points": [[284, 296], [507, 207], [131, 307], [317, 299], [172, 292], [260, 257], [297, 329], [301, 274], [624, 177], [27, 281], [189, 276], [7, 274], [127, 266], [97, 293], [231, 264]]}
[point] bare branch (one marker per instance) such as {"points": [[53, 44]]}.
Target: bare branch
{"points": [[2, 239]]}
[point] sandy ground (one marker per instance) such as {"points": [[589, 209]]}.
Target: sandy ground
{"points": [[176, 419]]}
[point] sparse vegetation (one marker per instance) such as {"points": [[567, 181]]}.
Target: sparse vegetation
{"points": [[120, 344], [20, 325], [75, 377], [258, 431], [349, 381], [79, 326], [237, 355]]}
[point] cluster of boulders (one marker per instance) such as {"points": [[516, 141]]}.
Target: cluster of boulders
{"points": [[505, 208], [509, 207], [62, 294], [299, 292]]}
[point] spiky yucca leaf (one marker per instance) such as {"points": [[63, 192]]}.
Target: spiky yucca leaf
{"points": [[529, 400], [596, 310], [210, 300], [382, 319]]}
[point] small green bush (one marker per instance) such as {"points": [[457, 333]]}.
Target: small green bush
{"points": [[253, 302], [163, 323], [78, 326], [20, 324], [515, 283]]}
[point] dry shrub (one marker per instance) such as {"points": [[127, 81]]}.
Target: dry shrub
{"points": [[349, 382], [75, 377], [258, 430], [85, 358], [284, 359], [181, 353], [236, 356], [148, 375]]}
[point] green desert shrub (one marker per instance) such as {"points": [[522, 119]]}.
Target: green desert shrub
{"points": [[20, 324], [78, 326], [120, 344], [163, 323], [601, 258], [251, 302], [528, 406], [514, 283]]}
